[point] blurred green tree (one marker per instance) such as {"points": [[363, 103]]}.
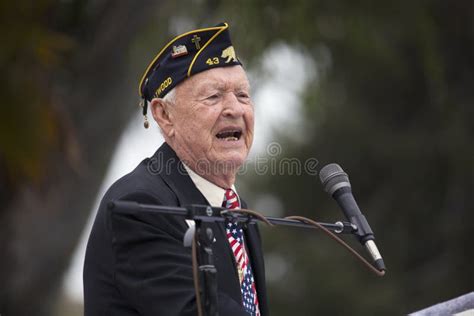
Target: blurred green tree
{"points": [[392, 105], [64, 64]]}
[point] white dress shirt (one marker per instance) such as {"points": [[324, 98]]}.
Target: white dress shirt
{"points": [[213, 193]]}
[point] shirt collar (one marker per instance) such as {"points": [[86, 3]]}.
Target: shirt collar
{"points": [[213, 193]]}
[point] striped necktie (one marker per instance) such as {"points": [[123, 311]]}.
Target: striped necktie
{"points": [[236, 240]]}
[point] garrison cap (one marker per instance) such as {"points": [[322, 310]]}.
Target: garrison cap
{"points": [[186, 55]]}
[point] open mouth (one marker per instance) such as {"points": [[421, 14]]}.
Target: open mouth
{"points": [[230, 135]]}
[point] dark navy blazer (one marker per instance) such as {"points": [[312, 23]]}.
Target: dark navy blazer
{"points": [[135, 262]]}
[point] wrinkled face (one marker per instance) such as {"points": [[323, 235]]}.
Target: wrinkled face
{"points": [[213, 119]]}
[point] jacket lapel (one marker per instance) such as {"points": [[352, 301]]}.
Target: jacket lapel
{"points": [[252, 237], [175, 176]]}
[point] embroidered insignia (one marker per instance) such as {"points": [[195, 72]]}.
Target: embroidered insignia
{"points": [[229, 53], [196, 40]]}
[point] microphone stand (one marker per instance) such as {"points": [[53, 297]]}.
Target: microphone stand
{"points": [[202, 233]]}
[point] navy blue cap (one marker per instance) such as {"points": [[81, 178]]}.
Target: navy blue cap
{"points": [[186, 55]]}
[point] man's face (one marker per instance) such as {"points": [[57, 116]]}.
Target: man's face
{"points": [[213, 119]]}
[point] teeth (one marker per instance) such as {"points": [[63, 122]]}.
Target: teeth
{"points": [[232, 135]]}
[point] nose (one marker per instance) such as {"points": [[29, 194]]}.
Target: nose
{"points": [[232, 106]]}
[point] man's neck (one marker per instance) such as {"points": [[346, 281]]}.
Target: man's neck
{"points": [[213, 193], [219, 174], [222, 180]]}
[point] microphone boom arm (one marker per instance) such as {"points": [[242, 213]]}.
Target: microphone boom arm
{"points": [[206, 213]]}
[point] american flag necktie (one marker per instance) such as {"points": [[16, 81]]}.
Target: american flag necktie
{"points": [[236, 240]]}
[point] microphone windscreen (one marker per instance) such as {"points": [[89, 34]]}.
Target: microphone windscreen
{"points": [[333, 177]]}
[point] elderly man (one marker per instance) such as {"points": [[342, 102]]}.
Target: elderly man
{"points": [[199, 95]]}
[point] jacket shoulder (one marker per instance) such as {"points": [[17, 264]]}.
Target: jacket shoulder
{"points": [[143, 185]]}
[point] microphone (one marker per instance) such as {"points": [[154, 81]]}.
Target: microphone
{"points": [[336, 182]]}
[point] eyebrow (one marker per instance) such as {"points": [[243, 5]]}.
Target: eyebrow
{"points": [[208, 84]]}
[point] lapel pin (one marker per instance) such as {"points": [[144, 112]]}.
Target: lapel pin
{"points": [[179, 51]]}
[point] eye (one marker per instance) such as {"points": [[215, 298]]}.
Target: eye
{"points": [[213, 96], [243, 96]]}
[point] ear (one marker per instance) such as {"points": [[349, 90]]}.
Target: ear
{"points": [[161, 115]]}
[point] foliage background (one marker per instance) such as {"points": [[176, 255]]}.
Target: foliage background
{"points": [[391, 102]]}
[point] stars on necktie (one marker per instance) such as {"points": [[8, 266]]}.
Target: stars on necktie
{"points": [[235, 237]]}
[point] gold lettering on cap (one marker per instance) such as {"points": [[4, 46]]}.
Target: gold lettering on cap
{"points": [[212, 61], [165, 84]]}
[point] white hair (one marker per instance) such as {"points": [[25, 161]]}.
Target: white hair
{"points": [[170, 97]]}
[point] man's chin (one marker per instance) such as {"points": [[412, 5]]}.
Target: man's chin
{"points": [[230, 162]]}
